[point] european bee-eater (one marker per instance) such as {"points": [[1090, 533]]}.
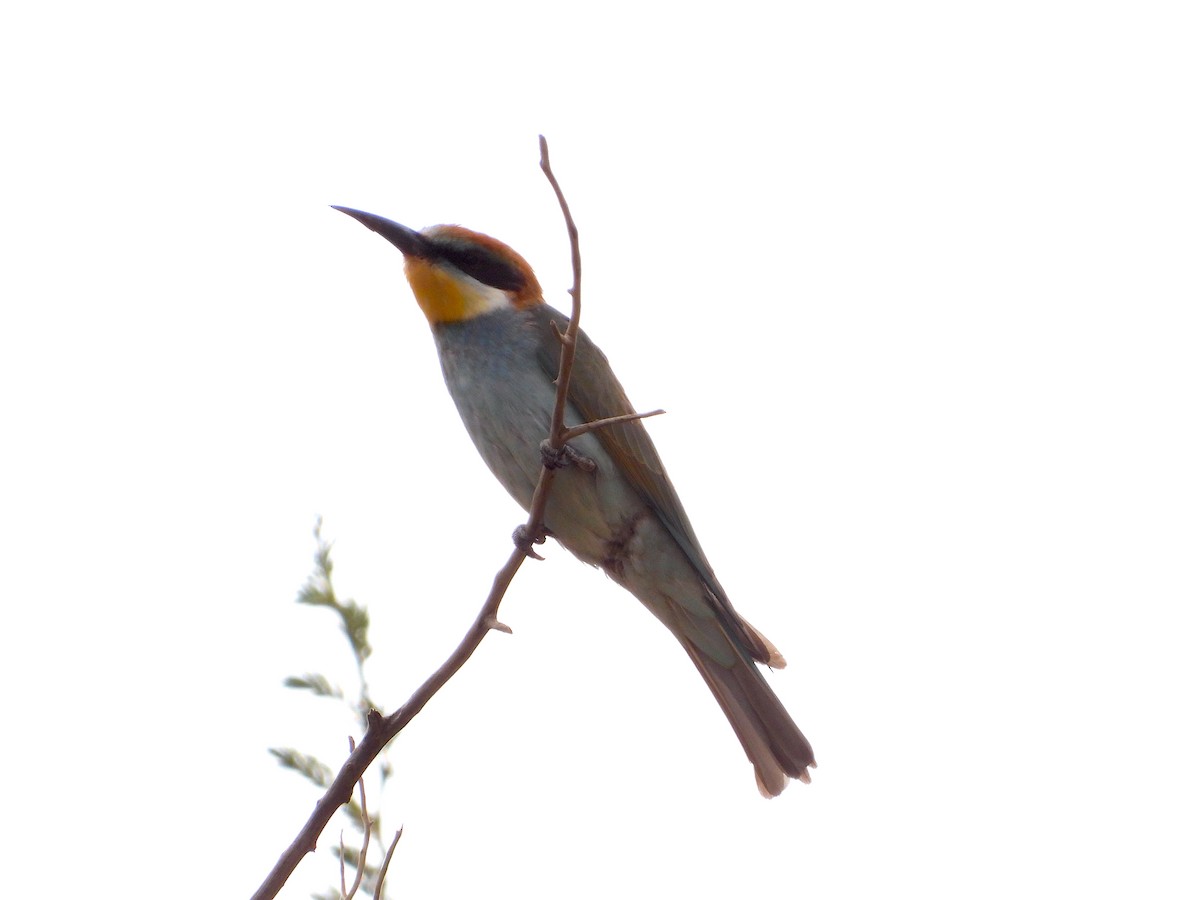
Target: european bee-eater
{"points": [[497, 341]]}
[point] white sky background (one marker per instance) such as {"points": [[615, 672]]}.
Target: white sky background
{"points": [[917, 284]]}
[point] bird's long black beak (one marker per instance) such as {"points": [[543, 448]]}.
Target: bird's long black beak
{"points": [[409, 242]]}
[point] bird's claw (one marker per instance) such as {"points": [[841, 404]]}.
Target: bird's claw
{"points": [[566, 455], [525, 540]]}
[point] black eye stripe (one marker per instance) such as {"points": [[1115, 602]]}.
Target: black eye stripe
{"points": [[483, 265]]}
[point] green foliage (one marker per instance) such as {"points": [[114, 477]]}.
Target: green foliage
{"points": [[355, 624], [318, 591], [308, 766], [318, 684]]}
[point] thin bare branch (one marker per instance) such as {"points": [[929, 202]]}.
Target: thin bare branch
{"points": [[567, 360], [387, 861], [342, 860], [575, 431], [360, 869]]}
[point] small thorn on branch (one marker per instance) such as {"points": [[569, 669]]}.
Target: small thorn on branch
{"points": [[496, 625]]}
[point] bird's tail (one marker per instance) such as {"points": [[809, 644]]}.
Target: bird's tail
{"points": [[775, 745]]}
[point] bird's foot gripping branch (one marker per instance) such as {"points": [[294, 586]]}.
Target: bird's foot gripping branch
{"points": [[566, 455]]}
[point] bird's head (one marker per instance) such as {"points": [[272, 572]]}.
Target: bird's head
{"points": [[455, 273]]}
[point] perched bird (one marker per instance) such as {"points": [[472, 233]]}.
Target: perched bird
{"points": [[499, 350]]}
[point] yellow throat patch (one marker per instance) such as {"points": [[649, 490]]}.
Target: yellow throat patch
{"points": [[445, 295]]}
